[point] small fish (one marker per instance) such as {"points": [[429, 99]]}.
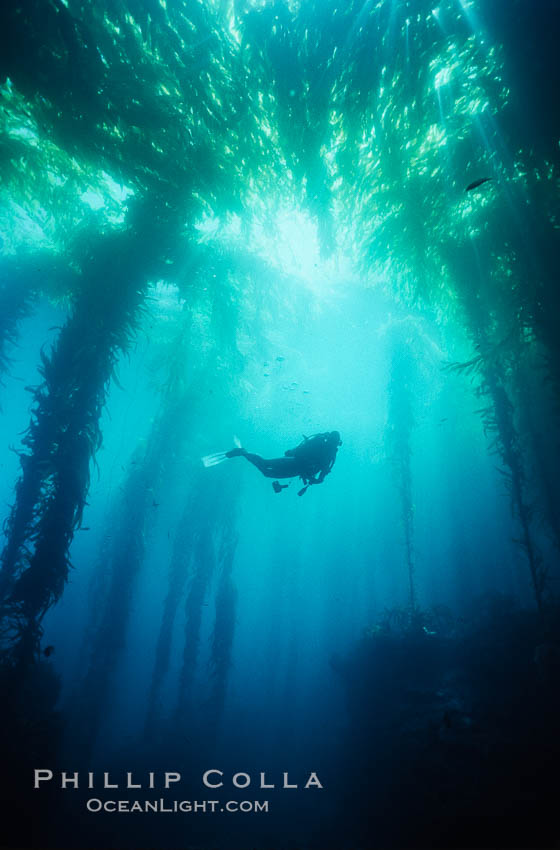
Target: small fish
{"points": [[280, 359], [155, 504], [85, 528], [476, 183], [48, 650]]}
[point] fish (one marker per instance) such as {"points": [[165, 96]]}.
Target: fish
{"points": [[476, 183], [48, 650]]}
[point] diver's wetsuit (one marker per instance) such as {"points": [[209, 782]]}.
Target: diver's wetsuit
{"points": [[311, 460], [276, 467]]}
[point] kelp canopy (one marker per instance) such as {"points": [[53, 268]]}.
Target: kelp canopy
{"points": [[199, 145], [371, 117]]}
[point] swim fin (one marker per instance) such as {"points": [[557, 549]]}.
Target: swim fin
{"points": [[219, 457], [215, 459]]}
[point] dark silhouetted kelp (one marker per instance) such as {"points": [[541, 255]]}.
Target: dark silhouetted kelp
{"points": [[64, 433], [121, 564], [398, 435], [202, 560], [498, 418], [178, 575], [225, 612]]}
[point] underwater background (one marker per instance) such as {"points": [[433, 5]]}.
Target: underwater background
{"points": [[253, 220]]}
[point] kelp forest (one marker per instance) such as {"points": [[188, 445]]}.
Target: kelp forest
{"points": [[247, 247]]}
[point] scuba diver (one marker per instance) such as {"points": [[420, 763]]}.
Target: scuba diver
{"points": [[312, 460]]}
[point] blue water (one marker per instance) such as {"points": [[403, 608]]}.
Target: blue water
{"points": [[311, 574]]}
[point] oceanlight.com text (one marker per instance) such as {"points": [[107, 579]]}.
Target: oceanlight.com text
{"points": [[177, 806]]}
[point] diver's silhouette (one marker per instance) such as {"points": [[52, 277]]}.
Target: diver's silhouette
{"points": [[312, 460]]}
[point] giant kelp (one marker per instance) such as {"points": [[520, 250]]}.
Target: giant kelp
{"points": [[64, 432], [139, 100], [536, 410], [497, 413], [200, 559], [179, 565], [147, 147], [122, 562], [224, 622], [203, 551], [355, 108], [400, 425], [89, 122], [61, 442]]}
